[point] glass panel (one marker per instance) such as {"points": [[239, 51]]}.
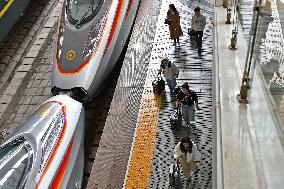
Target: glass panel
{"points": [[268, 51], [82, 9], [15, 160]]}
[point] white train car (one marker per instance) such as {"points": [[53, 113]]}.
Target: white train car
{"points": [[91, 37], [47, 151]]}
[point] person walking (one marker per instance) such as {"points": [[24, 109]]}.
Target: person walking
{"points": [[174, 23], [188, 99], [170, 72], [186, 153], [198, 23]]}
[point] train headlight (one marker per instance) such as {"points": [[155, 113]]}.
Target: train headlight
{"points": [[50, 138]]}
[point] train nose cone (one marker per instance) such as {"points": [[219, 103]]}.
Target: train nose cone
{"points": [[52, 134]]}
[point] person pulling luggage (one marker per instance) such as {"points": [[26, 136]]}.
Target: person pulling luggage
{"points": [[170, 72], [187, 155], [188, 98]]}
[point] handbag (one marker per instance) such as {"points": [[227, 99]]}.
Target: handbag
{"points": [[175, 175], [167, 21], [191, 32], [158, 85]]}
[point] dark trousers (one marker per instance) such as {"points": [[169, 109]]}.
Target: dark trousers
{"points": [[199, 35], [176, 41]]}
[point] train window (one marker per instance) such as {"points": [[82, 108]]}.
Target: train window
{"points": [[15, 164], [81, 11]]}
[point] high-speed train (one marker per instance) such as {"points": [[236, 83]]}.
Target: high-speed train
{"points": [[47, 151], [91, 37]]}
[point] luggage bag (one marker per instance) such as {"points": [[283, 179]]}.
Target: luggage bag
{"points": [[175, 174], [176, 119], [167, 21], [158, 85], [191, 32]]}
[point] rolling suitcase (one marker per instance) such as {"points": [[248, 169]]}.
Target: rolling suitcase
{"points": [[175, 174], [176, 119], [158, 85]]}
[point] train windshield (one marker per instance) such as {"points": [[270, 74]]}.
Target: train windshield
{"points": [[15, 164], [81, 11]]}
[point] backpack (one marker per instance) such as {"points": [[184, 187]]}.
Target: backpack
{"points": [[158, 86]]}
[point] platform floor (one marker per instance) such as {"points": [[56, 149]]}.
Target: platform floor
{"points": [[198, 73], [154, 156], [136, 148]]}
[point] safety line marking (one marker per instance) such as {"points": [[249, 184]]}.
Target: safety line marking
{"points": [[2, 12], [141, 157], [139, 170]]}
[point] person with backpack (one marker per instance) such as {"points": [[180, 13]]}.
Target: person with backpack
{"points": [[187, 155], [170, 72], [198, 23], [188, 100]]}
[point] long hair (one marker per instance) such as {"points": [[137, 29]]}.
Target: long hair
{"points": [[186, 140]]}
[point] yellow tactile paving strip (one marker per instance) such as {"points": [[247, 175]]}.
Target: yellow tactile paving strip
{"points": [[143, 148], [142, 154]]}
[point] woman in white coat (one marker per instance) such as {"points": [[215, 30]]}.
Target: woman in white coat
{"points": [[187, 155]]}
